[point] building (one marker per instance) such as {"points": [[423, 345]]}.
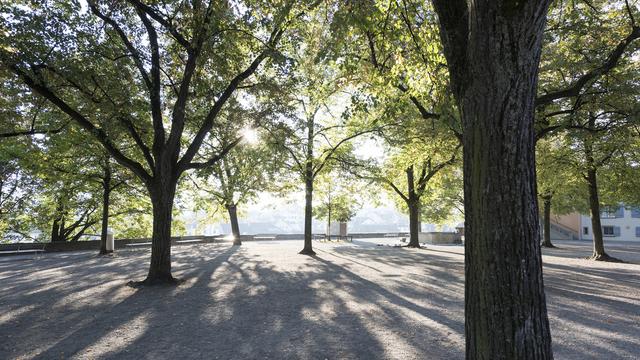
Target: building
{"points": [[619, 223]]}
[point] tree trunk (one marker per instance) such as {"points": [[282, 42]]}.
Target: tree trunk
{"points": [[106, 193], [235, 227], [596, 226], [308, 191], [162, 195], [547, 222], [493, 49], [413, 203], [414, 220], [329, 220], [57, 227], [308, 215], [55, 230]]}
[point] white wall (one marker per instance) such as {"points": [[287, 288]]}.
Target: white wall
{"points": [[627, 226]]}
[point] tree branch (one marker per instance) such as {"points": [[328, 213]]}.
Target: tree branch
{"points": [[97, 132], [610, 63]]}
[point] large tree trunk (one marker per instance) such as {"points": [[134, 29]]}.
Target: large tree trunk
{"points": [[547, 222], [162, 195], [414, 221], [106, 194], [596, 226], [233, 219], [493, 50], [413, 203], [308, 215], [308, 191], [57, 228]]}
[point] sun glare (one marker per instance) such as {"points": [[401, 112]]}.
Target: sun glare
{"points": [[250, 135]]}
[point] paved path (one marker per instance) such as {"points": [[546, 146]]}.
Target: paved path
{"points": [[262, 300]]}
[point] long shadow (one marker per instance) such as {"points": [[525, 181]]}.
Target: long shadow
{"points": [[248, 309], [237, 303]]}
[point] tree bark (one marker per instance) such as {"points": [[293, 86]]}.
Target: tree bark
{"points": [[413, 203], [308, 191], [106, 194], [414, 216], [235, 227], [493, 49], [547, 222], [308, 213], [162, 193], [596, 225], [57, 227]]}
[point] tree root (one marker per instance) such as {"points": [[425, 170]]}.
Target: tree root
{"points": [[548, 245], [413, 246], [306, 251], [157, 281], [604, 257]]}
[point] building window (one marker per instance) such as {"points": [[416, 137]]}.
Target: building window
{"points": [[612, 212], [637, 231], [611, 231], [635, 212], [585, 230]]}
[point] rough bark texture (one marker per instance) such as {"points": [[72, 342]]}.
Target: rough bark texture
{"points": [[308, 216], [162, 195], [308, 191], [58, 224], [413, 203], [594, 208], [232, 209], [493, 50], [546, 242], [106, 193]]}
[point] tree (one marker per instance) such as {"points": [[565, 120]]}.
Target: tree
{"points": [[560, 188], [251, 167], [321, 121], [493, 50], [17, 190], [596, 105], [337, 195], [587, 44], [598, 141], [135, 67], [412, 172]]}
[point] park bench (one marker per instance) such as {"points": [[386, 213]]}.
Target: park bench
{"points": [[189, 241], [131, 245], [348, 238], [19, 251]]}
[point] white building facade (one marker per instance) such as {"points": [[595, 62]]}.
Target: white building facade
{"points": [[619, 223]]}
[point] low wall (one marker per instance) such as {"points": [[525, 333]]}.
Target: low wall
{"points": [[9, 249], [354, 235], [95, 244], [439, 238]]}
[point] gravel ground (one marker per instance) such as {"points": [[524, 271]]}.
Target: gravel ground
{"points": [[262, 300]]}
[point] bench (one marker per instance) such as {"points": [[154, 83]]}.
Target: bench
{"points": [[19, 251], [138, 244], [348, 238], [188, 241]]}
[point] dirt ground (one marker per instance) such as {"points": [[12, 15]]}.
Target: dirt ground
{"points": [[262, 300]]}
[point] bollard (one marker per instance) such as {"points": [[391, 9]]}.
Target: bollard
{"points": [[110, 241]]}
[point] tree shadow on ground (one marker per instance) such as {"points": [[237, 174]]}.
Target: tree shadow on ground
{"points": [[259, 301]]}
